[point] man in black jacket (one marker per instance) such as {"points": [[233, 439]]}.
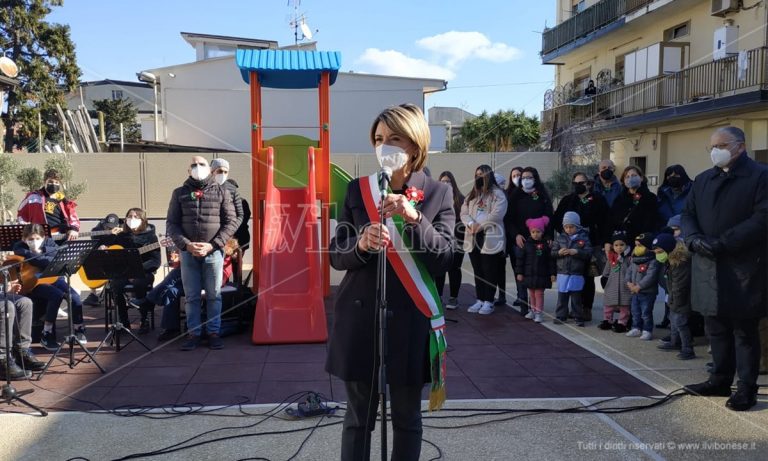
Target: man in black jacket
{"points": [[725, 221], [201, 218]]}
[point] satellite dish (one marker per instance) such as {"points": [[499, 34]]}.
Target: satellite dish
{"points": [[8, 67], [305, 30]]}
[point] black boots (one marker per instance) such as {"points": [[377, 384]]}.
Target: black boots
{"points": [[14, 372]]}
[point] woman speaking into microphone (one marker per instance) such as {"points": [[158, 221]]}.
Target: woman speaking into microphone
{"points": [[417, 241]]}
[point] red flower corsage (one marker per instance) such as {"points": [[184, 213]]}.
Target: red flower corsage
{"points": [[539, 249], [642, 268], [196, 195], [535, 195], [580, 243], [636, 198], [586, 199], [414, 195]]}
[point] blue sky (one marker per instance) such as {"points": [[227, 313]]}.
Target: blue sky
{"points": [[486, 49]]}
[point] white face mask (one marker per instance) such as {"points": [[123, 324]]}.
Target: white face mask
{"points": [[516, 181], [720, 157], [391, 157], [528, 184], [34, 244], [221, 178], [200, 172], [133, 223]]}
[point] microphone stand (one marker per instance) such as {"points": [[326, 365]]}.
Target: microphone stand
{"points": [[9, 393], [381, 301]]}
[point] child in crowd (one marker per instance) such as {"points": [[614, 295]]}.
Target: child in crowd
{"points": [[572, 252], [677, 280], [643, 281], [536, 268], [617, 296]]}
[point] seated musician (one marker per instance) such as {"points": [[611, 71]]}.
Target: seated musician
{"points": [[137, 233], [168, 293], [38, 251], [50, 206], [19, 309], [109, 223]]}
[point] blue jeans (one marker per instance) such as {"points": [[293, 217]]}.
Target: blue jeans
{"points": [[199, 274], [53, 294], [168, 294], [642, 311]]}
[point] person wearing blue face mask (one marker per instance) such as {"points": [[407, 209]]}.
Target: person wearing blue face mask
{"points": [[634, 211], [724, 222]]}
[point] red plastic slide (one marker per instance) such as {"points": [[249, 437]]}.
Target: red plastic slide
{"points": [[290, 306]]}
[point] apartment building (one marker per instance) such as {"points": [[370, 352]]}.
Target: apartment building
{"points": [[666, 74]]}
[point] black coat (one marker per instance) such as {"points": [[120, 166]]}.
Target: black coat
{"points": [[151, 260], [353, 343], [594, 214], [732, 208], [634, 218], [210, 218], [536, 264], [576, 264], [522, 206]]}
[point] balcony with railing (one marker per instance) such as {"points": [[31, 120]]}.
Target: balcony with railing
{"points": [[592, 19], [713, 82]]}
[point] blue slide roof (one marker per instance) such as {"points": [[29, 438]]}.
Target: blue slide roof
{"points": [[288, 69]]}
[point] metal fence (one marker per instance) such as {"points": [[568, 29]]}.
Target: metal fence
{"points": [[591, 19], [715, 79]]}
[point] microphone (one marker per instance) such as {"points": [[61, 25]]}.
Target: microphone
{"points": [[385, 176]]}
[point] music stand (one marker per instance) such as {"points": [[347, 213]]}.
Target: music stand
{"points": [[110, 265], [67, 261], [8, 236]]}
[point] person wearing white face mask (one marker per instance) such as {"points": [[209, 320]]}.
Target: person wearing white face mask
{"points": [[137, 233], [220, 171], [39, 251], [635, 210], [200, 220], [421, 210], [529, 201], [724, 223]]}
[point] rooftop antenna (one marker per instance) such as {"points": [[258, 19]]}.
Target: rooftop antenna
{"points": [[299, 23]]}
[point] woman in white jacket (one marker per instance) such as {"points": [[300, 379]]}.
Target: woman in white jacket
{"points": [[483, 215]]}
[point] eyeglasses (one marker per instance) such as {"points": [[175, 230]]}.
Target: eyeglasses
{"points": [[198, 164], [722, 145]]}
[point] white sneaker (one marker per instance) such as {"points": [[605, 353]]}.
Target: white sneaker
{"points": [[634, 333], [487, 308], [62, 314], [475, 307], [646, 336], [529, 315], [538, 317]]}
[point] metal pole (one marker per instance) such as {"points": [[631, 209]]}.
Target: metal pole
{"points": [[157, 121], [102, 129], [122, 142]]}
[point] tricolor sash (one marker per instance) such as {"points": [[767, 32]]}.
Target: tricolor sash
{"points": [[418, 283]]}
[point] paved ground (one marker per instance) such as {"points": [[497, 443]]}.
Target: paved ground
{"points": [[561, 366]]}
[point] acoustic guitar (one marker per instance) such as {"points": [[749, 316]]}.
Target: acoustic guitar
{"points": [[94, 284], [57, 235], [26, 274]]}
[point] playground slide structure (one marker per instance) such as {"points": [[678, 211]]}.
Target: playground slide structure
{"points": [[290, 176]]}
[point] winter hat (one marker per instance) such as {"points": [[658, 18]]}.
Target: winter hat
{"points": [[571, 217], [111, 221], [645, 239], [500, 180], [665, 241], [537, 223], [219, 163], [674, 221], [619, 236]]}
